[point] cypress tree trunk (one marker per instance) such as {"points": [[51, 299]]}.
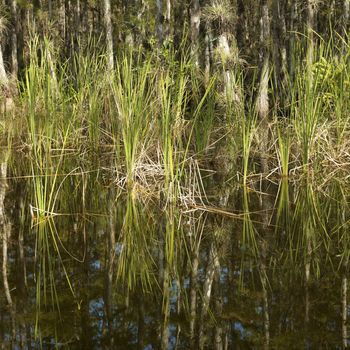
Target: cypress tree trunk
{"points": [[14, 30], [223, 25], [283, 36], [167, 21], [3, 76], [62, 19], [195, 24], [292, 19], [50, 8], [208, 52], [69, 25], [85, 19], [109, 35], [263, 98], [77, 25], [159, 24], [241, 31], [141, 14], [346, 16], [276, 27], [311, 15], [346, 10]]}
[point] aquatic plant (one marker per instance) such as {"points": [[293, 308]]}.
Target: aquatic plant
{"points": [[132, 92]]}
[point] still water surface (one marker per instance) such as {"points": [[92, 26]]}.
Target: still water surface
{"points": [[263, 267]]}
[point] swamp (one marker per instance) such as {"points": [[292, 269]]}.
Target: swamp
{"points": [[174, 174]]}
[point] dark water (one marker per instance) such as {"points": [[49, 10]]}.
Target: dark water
{"points": [[258, 268]]}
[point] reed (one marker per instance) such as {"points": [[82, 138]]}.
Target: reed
{"points": [[153, 112], [248, 129], [132, 91], [283, 151]]}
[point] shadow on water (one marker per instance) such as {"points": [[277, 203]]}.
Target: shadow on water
{"points": [[113, 269]]}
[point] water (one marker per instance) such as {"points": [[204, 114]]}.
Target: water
{"points": [[266, 270]]}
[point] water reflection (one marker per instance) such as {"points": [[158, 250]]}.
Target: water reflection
{"points": [[120, 271]]}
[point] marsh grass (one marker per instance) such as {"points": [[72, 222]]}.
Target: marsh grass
{"points": [[283, 150], [159, 116], [173, 95], [133, 89]]}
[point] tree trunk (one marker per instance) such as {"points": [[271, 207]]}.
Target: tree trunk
{"points": [[14, 30], [292, 27], [311, 15], [346, 13], [76, 24], [3, 76], [160, 22], [62, 20], [279, 33], [109, 34], [195, 24], [84, 23], [167, 21], [141, 13], [227, 49], [208, 53], [263, 98], [346, 16], [49, 4]]}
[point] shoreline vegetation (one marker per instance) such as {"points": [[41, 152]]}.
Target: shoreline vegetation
{"points": [[160, 107], [159, 119], [147, 111], [167, 127]]}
